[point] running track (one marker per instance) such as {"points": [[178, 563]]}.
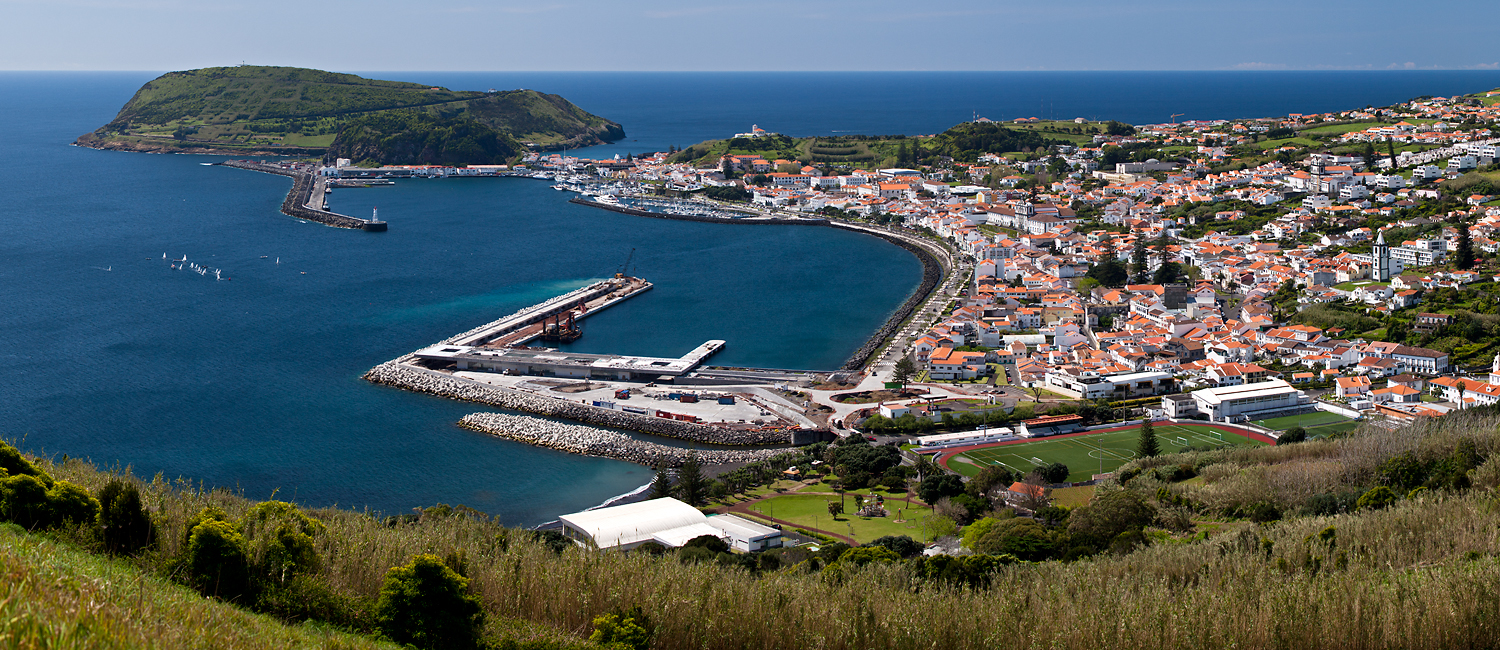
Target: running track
{"points": [[946, 454]]}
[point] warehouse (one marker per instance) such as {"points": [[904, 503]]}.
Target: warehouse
{"points": [[668, 522], [1255, 401]]}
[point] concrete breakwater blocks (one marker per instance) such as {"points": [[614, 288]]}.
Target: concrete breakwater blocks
{"points": [[593, 441], [400, 375]]}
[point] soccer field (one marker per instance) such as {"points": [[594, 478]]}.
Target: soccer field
{"points": [[1316, 423], [1091, 454]]}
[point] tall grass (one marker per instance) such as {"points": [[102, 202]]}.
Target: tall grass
{"points": [[1422, 573]]}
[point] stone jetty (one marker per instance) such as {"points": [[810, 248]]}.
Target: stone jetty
{"points": [[594, 441], [402, 375]]}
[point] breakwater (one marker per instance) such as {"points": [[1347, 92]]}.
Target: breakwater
{"points": [[297, 199], [593, 441], [402, 375], [779, 221]]}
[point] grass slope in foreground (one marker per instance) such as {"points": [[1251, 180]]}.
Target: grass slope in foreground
{"points": [[53, 595], [1091, 454], [301, 111]]}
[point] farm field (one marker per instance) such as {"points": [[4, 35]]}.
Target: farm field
{"points": [[1090, 454], [811, 511], [1317, 424]]}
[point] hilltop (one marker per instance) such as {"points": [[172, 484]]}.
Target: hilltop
{"points": [[298, 111]]}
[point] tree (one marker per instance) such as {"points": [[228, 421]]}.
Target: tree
{"points": [[1369, 154], [1376, 499], [901, 545], [661, 485], [1167, 273], [1139, 261], [1111, 272], [1101, 521], [428, 605], [1464, 256], [1054, 473], [1148, 445], [904, 372], [988, 479], [217, 561], [690, 479], [1391, 146], [934, 488], [123, 522], [1292, 435], [836, 508]]}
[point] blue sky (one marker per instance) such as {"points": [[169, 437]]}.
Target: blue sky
{"points": [[546, 35]]}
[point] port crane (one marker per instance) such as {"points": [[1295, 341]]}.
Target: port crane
{"points": [[1177, 115], [624, 271]]}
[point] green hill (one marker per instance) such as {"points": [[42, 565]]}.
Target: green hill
{"points": [[963, 143], [297, 111], [1373, 538]]}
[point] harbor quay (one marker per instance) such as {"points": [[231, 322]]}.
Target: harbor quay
{"points": [[602, 393]]}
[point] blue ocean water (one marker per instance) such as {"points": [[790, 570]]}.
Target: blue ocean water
{"points": [[253, 384]]}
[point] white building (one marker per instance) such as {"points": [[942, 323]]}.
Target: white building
{"points": [[666, 521], [1250, 401]]}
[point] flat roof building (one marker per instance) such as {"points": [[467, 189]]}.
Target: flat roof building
{"points": [[556, 363], [1255, 401]]}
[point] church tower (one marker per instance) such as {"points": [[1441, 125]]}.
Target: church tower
{"points": [[1380, 259], [1495, 371]]}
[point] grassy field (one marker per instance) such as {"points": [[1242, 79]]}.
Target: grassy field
{"points": [[811, 511], [1346, 128], [1316, 424], [1092, 454]]}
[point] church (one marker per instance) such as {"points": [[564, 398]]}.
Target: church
{"points": [[1382, 267]]}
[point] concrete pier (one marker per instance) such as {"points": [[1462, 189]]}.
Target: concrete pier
{"points": [[306, 198], [526, 324]]}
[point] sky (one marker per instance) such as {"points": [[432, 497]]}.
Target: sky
{"points": [[766, 35]]}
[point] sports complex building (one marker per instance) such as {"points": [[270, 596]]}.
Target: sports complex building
{"points": [[1257, 401]]}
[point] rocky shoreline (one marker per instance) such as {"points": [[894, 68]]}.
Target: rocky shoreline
{"points": [[593, 441], [932, 274], [400, 375], [93, 141]]}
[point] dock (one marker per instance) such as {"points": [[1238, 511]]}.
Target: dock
{"points": [[528, 324]]}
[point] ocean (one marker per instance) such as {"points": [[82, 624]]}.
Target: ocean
{"points": [[253, 384]]}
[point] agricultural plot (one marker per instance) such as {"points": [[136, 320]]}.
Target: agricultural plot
{"points": [[1091, 454], [1318, 423]]}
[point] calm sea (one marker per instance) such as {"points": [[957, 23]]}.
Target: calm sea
{"points": [[253, 384]]}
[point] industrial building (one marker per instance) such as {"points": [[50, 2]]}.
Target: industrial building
{"points": [[668, 522], [1257, 401]]}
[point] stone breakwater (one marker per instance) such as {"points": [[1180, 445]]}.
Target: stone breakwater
{"points": [[400, 375], [932, 274], [592, 441], [295, 203]]}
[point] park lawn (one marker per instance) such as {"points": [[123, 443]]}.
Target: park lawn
{"points": [[1286, 142], [1350, 286], [1346, 128], [1097, 453], [811, 511]]}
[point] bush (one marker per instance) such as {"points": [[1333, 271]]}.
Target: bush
{"points": [[14, 464], [23, 501], [1263, 512], [1292, 435], [68, 503], [901, 545], [553, 540], [652, 547], [621, 632], [1329, 504], [123, 522], [695, 555], [428, 605], [711, 542], [862, 555], [281, 539], [1109, 516], [1377, 498], [1021, 537], [216, 560]]}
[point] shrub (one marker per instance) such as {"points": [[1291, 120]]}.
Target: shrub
{"points": [[1331, 503], [1262, 512], [281, 539], [1377, 498], [1292, 435], [23, 501], [713, 543], [123, 522], [901, 545], [652, 547], [554, 540], [621, 632], [14, 464], [216, 560], [695, 555], [68, 503], [428, 605], [1109, 516], [1021, 537], [862, 555]]}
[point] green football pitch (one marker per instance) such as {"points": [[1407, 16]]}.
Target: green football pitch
{"points": [[1091, 454], [1316, 423]]}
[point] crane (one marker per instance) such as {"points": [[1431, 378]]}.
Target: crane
{"points": [[1177, 115], [625, 268]]}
